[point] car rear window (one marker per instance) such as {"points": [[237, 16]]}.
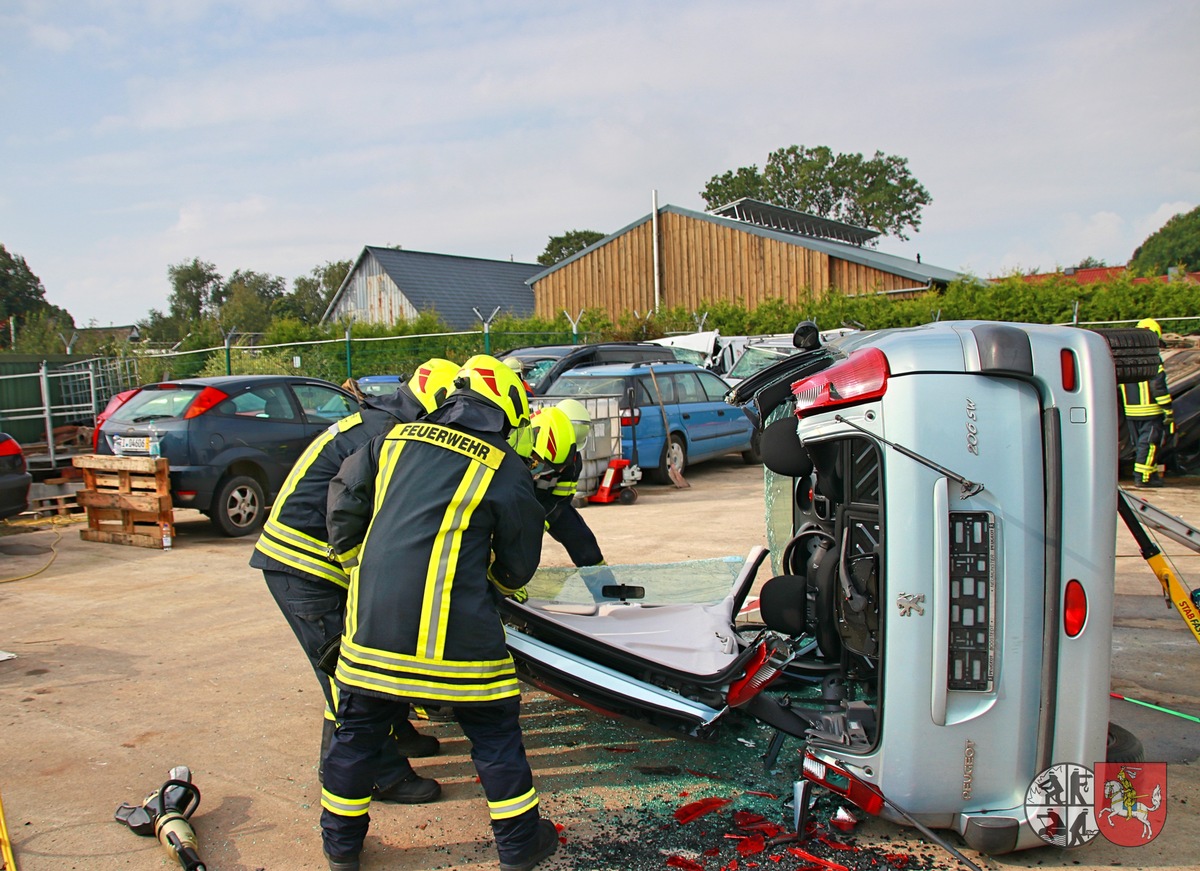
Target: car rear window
{"points": [[155, 403], [583, 385]]}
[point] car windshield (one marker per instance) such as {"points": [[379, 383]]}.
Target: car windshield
{"points": [[154, 403], [758, 357], [589, 385], [687, 355], [379, 388], [535, 372]]}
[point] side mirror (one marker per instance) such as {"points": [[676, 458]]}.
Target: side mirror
{"points": [[806, 337]]}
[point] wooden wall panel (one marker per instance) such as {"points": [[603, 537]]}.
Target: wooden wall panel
{"points": [[701, 262]]}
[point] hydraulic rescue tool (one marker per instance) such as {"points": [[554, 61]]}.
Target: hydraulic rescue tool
{"points": [[165, 814]]}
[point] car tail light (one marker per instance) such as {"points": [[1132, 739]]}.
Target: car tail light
{"points": [[10, 448], [113, 404], [766, 665], [843, 783], [860, 377], [1070, 369], [630, 416], [1074, 608], [206, 399]]}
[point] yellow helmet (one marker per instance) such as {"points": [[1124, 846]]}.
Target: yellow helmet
{"points": [[580, 419], [515, 364], [499, 385], [553, 439], [433, 381], [1150, 324], [521, 439]]}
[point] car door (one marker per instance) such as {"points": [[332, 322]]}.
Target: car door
{"points": [[736, 428], [322, 405], [701, 419], [261, 423]]}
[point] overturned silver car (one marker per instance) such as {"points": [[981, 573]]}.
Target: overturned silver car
{"points": [[938, 624]]}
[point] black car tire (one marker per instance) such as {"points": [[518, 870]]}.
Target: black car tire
{"points": [[674, 442], [239, 507], [1123, 746], [1135, 353], [753, 457]]}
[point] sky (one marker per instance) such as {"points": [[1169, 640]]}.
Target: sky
{"points": [[278, 135]]}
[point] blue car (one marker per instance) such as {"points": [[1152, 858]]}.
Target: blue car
{"points": [[700, 424], [378, 385]]}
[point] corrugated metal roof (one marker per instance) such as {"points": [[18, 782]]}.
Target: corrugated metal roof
{"points": [[921, 273], [452, 285]]}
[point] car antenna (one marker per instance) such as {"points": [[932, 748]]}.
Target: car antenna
{"points": [[969, 488]]}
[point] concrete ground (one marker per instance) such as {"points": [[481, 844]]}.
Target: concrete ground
{"points": [[131, 661]]}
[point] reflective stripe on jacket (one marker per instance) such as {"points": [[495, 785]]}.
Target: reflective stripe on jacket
{"points": [[447, 521], [294, 538], [1147, 398]]}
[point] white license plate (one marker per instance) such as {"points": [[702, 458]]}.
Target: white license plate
{"points": [[127, 443]]}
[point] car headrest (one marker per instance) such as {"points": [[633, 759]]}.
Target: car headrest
{"points": [[783, 603], [782, 451]]}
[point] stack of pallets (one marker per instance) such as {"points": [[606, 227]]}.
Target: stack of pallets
{"points": [[128, 500]]}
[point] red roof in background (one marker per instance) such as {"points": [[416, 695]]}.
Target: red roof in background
{"points": [[1093, 274]]}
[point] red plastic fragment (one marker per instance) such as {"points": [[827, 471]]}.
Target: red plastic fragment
{"points": [[769, 795], [697, 809], [843, 820], [743, 819], [898, 860], [696, 773], [836, 845], [817, 860], [684, 863], [751, 846], [712, 851]]}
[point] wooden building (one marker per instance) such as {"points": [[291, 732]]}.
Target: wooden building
{"points": [[744, 253], [388, 285]]}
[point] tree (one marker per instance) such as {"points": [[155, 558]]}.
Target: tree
{"points": [[266, 287], [559, 248], [1090, 262], [1176, 243], [311, 293], [197, 288], [21, 295], [245, 311], [879, 193]]}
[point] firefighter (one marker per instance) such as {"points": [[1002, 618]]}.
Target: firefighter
{"points": [[558, 465], [436, 521], [310, 586], [1149, 417]]}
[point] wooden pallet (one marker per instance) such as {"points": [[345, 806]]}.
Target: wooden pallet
{"points": [[60, 505], [128, 500]]}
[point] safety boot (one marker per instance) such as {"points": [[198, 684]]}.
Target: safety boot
{"points": [[413, 744], [413, 789], [544, 843], [342, 863]]}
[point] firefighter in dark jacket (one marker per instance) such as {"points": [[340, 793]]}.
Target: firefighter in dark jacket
{"points": [[310, 586], [436, 521], [558, 434], [1149, 418]]}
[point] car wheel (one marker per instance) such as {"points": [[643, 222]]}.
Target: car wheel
{"points": [[1123, 746], [674, 453], [238, 507], [753, 457]]}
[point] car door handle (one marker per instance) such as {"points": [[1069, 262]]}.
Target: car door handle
{"points": [[721, 413], [687, 417]]}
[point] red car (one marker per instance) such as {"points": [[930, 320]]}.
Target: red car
{"points": [[14, 479]]}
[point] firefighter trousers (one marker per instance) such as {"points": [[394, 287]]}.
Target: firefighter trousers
{"points": [[316, 612], [497, 751], [1146, 433]]}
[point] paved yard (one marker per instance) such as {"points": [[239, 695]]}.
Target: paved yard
{"points": [[130, 661]]}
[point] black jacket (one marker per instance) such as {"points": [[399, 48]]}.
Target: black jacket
{"points": [[293, 539], [434, 521]]}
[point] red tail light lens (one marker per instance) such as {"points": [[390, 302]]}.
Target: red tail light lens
{"points": [[10, 448], [843, 783], [1074, 608], [630, 416], [206, 399], [761, 670], [859, 378], [1070, 371]]}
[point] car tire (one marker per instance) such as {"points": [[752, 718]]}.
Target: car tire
{"points": [[1123, 746], [674, 447], [754, 457], [239, 506], [1134, 351]]}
